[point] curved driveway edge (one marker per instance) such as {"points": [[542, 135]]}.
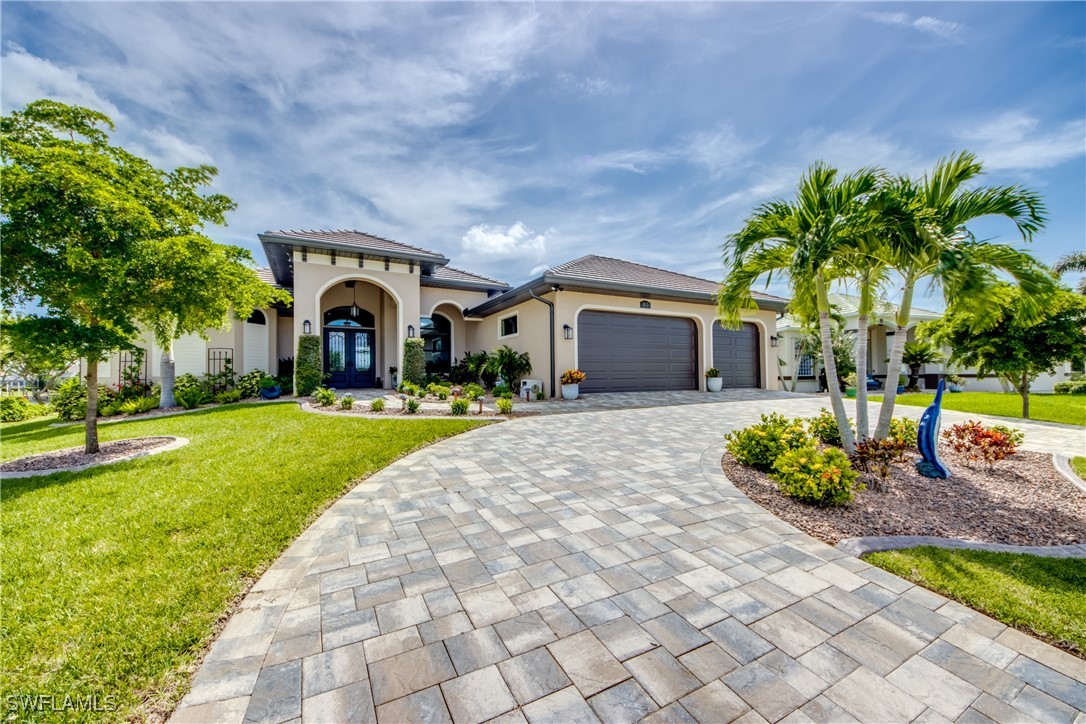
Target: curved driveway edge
{"points": [[600, 566], [875, 544]]}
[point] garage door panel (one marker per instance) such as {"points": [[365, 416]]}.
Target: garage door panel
{"points": [[628, 352], [736, 354]]}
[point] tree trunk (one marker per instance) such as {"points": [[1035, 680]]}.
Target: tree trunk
{"points": [[862, 426], [1025, 395], [848, 441], [91, 445], [166, 399], [893, 369]]}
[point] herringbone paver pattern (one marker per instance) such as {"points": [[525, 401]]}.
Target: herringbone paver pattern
{"points": [[599, 566]]}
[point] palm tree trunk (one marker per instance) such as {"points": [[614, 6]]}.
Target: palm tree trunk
{"points": [[168, 369], [848, 442], [893, 369], [862, 426], [90, 446]]}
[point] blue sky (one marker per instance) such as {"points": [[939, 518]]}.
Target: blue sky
{"points": [[512, 137]]}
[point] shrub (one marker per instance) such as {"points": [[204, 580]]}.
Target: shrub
{"points": [[712, 372], [190, 397], [824, 428], [414, 362], [185, 382], [377, 405], [412, 406], [346, 402], [228, 396], [1073, 387], [324, 396], [760, 445], [307, 370], [138, 405], [14, 409], [819, 477], [877, 456], [573, 377], [70, 399], [459, 407], [473, 391], [904, 431], [973, 441], [505, 405], [113, 408], [539, 395], [1015, 435], [501, 391], [249, 384]]}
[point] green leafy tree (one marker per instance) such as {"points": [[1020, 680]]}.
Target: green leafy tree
{"points": [[924, 225], [510, 364], [34, 350], [1018, 347], [83, 222]]}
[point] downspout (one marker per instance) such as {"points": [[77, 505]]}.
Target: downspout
{"points": [[532, 293]]}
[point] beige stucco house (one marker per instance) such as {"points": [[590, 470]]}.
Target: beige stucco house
{"points": [[628, 326]]}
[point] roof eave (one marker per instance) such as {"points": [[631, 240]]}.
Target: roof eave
{"points": [[435, 259], [467, 286]]}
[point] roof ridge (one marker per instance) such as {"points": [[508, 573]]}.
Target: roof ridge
{"points": [[647, 266], [480, 276]]}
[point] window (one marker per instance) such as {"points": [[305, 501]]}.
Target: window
{"points": [[257, 317], [806, 363], [436, 333], [507, 327]]}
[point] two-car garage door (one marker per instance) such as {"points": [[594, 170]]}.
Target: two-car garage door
{"points": [[622, 352]]}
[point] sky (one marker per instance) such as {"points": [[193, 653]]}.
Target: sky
{"points": [[515, 137]]}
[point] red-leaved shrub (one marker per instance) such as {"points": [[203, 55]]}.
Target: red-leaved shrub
{"points": [[973, 441]]}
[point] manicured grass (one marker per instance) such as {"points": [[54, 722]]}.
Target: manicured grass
{"points": [[1068, 409], [1079, 466], [1042, 596], [115, 577]]}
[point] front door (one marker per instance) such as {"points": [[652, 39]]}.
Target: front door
{"points": [[349, 358]]}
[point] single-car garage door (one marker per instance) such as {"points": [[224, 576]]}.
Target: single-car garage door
{"points": [[631, 352], [735, 354]]}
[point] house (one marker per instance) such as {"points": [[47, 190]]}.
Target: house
{"points": [[882, 326], [628, 326]]}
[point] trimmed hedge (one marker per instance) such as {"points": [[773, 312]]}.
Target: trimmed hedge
{"points": [[308, 373], [1073, 387], [414, 362]]}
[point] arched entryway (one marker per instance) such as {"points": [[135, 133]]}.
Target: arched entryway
{"points": [[436, 333], [350, 346]]}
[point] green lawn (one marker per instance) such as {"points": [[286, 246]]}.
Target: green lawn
{"points": [[1042, 596], [114, 577], [1069, 409], [1079, 466]]}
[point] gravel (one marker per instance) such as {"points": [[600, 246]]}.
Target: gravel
{"points": [[1023, 500], [74, 456]]}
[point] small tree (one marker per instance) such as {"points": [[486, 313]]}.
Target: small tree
{"points": [[414, 362], [510, 364], [308, 373], [998, 341], [917, 354], [34, 350]]}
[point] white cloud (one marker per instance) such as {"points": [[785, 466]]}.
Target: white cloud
{"points": [[495, 241], [168, 151], [718, 150], [29, 78], [924, 24], [1016, 140], [588, 86]]}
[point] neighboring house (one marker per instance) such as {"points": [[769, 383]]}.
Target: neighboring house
{"points": [[881, 331], [627, 325]]}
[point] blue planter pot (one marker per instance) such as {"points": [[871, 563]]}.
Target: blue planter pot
{"points": [[270, 393], [901, 389]]}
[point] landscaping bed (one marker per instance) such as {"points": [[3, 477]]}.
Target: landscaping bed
{"points": [[75, 457], [1023, 500]]}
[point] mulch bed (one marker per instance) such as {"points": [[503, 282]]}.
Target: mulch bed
{"points": [[1023, 500], [74, 456]]}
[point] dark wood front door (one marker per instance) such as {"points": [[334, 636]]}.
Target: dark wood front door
{"points": [[349, 357]]}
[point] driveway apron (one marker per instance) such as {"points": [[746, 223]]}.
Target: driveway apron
{"points": [[599, 566]]}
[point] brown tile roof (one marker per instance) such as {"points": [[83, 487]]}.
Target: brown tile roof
{"points": [[449, 274], [352, 238], [266, 275], [602, 269]]}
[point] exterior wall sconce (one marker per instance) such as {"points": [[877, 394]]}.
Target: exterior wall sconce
{"points": [[567, 331], [307, 328], [410, 331], [646, 304], [774, 341]]}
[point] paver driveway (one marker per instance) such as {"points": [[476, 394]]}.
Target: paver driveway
{"points": [[599, 566]]}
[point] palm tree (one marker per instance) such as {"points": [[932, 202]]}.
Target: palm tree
{"points": [[1073, 262], [800, 239], [916, 354], [924, 228]]}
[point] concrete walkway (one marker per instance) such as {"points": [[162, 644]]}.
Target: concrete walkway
{"points": [[599, 566]]}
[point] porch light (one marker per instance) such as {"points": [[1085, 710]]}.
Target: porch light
{"points": [[773, 341], [354, 300], [306, 327], [567, 331], [410, 331]]}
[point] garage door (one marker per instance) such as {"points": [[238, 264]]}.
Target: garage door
{"points": [[631, 352], [735, 354]]}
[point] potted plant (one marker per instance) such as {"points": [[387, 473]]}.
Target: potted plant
{"points": [[850, 385], [392, 375], [571, 384], [901, 379], [712, 379], [955, 383], [269, 390]]}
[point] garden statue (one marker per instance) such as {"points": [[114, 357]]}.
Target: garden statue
{"points": [[927, 439]]}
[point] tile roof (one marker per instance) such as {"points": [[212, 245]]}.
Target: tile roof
{"points": [[449, 274], [266, 275], [352, 238], [848, 305], [596, 269]]}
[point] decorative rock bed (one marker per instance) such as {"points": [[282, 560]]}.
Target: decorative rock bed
{"points": [[1023, 500], [73, 459]]}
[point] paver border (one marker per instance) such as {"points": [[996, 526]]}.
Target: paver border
{"points": [[1063, 464], [177, 442], [874, 544]]}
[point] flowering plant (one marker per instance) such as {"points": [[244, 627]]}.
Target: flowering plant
{"points": [[573, 377]]}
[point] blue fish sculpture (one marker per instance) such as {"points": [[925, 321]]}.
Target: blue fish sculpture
{"points": [[927, 438]]}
